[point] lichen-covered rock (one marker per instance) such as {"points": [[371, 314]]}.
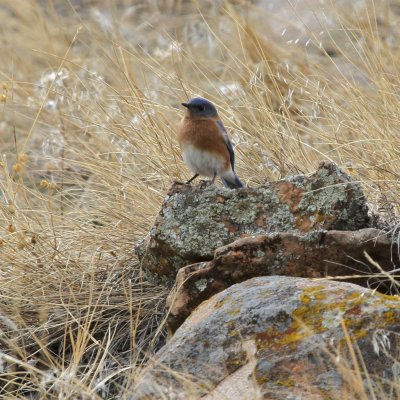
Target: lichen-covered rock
{"points": [[194, 222], [317, 254], [281, 338]]}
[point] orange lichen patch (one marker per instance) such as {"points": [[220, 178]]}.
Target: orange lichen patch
{"points": [[308, 320], [230, 324], [235, 362], [297, 333], [388, 302], [390, 317], [355, 326], [268, 339], [323, 220], [312, 221], [304, 223], [356, 334], [220, 200], [286, 382], [315, 292], [290, 194], [321, 217], [261, 379], [305, 298], [313, 316], [388, 297], [273, 339], [351, 296]]}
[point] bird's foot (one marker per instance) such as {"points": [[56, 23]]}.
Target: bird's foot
{"points": [[205, 183]]}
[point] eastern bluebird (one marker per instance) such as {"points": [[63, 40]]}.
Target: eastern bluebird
{"points": [[205, 144]]}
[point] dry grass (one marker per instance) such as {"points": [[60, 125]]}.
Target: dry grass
{"points": [[89, 103]]}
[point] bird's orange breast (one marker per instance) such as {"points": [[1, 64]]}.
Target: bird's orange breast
{"points": [[204, 134]]}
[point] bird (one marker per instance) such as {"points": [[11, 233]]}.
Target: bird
{"points": [[205, 145]]}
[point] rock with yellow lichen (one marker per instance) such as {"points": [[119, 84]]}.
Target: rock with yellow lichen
{"points": [[313, 255], [195, 221], [281, 338]]}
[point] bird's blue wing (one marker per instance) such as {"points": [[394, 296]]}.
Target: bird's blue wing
{"points": [[228, 143]]}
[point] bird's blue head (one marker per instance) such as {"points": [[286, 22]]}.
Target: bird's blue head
{"points": [[201, 107]]}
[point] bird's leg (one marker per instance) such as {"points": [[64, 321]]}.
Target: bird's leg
{"points": [[186, 183], [192, 178], [213, 179], [205, 183]]}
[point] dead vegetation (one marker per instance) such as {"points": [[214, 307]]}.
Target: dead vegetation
{"points": [[88, 106]]}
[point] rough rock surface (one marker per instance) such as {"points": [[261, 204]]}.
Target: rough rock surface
{"points": [[280, 338], [315, 255], [194, 222]]}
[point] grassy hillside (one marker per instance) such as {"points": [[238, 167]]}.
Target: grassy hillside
{"points": [[90, 95]]}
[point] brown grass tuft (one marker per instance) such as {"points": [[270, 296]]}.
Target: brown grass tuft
{"points": [[89, 101]]}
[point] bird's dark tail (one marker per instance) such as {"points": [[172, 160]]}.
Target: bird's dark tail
{"points": [[234, 183]]}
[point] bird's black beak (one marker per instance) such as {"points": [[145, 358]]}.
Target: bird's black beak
{"points": [[185, 105]]}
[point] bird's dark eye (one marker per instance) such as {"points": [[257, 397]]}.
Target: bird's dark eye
{"points": [[201, 108]]}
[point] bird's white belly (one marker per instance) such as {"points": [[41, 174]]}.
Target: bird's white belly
{"points": [[202, 162]]}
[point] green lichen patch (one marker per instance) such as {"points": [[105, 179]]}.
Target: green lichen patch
{"points": [[194, 221]]}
